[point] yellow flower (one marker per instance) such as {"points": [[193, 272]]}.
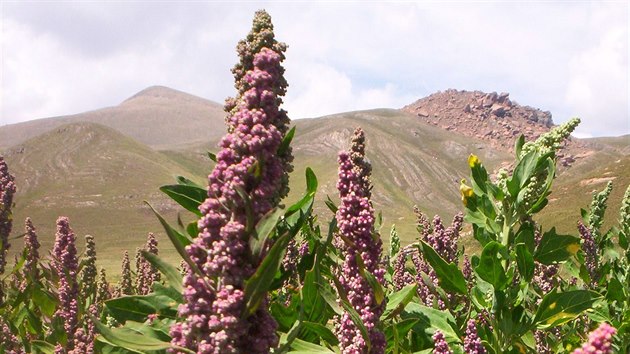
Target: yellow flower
{"points": [[466, 191], [473, 160]]}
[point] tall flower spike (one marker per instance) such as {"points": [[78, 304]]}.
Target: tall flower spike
{"points": [[102, 292], [599, 341], [152, 247], [250, 164], [31, 250], [598, 209], [89, 272], [65, 264], [125, 286], [591, 253], [355, 218], [7, 190]]}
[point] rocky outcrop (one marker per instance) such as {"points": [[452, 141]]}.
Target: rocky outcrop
{"points": [[493, 117]]}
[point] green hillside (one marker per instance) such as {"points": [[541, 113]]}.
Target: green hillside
{"points": [[97, 177]]}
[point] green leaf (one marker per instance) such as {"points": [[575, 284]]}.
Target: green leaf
{"points": [[173, 276], [178, 240], [132, 340], [39, 346], [330, 204], [189, 197], [490, 268], [138, 307], [398, 300], [313, 302], [522, 172], [525, 262], [430, 320], [212, 156], [265, 227], [303, 347], [46, 301], [322, 331], [185, 181], [286, 141], [558, 308], [555, 248], [258, 284], [450, 276], [311, 181], [331, 300]]}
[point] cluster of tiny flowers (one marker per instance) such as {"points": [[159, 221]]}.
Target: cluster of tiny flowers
{"points": [[31, 250], [355, 219], [552, 140], [65, 264], [84, 337], [146, 273], [590, 249], [440, 346], [545, 276], [401, 277], [9, 343], [599, 341], [7, 190], [472, 342], [290, 260], [89, 271], [304, 249], [125, 285], [468, 272], [394, 242], [102, 291], [598, 209], [247, 163]]}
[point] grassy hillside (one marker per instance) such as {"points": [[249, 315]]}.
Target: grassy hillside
{"points": [[97, 177]]}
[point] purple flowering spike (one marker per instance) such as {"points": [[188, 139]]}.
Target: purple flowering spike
{"points": [[247, 164], [590, 252], [472, 342], [7, 190], [440, 346], [599, 341], [31, 249], [355, 218], [65, 264]]}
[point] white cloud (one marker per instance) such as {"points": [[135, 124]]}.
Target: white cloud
{"points": [[568, 58]]}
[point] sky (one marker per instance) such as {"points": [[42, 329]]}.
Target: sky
{"points": [[567, 57]]}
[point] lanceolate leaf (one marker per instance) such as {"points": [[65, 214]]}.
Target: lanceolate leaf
{"points": [[132, 340], [258, 284], [172, 274], [558, 308], [449, 275], [398, 300], [189, 197]]}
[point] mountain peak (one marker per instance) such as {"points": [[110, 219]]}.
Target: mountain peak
{"points": [[155, 94]]}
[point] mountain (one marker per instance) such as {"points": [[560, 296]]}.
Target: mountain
{"points": [[158, 116], [99, 171], [97, 177]]}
